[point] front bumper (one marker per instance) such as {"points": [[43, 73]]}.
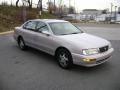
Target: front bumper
{"points": [[96, 59]]}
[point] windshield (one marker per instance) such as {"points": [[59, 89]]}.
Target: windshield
{"points": [[64, 28]]}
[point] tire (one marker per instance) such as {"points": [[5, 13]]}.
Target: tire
{"points": [[64, 58], [21, 43]]}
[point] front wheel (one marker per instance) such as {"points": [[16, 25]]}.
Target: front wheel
{"points": [[21, 44], [64, 58]]}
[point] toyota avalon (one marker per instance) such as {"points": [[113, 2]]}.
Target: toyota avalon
{"points": [[69, 44]]}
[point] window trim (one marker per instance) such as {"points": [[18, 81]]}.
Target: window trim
{"points": [[29, 28]]}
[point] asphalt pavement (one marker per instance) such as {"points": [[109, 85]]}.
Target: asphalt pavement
{"points": [[35, 70]]}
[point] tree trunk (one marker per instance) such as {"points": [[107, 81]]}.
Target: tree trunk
{"points": [[30, 3], [39, 5], [17, 3]]}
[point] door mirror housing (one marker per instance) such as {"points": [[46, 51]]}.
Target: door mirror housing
{"points": [[46, 33]]}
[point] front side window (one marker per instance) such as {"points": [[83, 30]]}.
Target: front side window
{"points": [[31, 25], [42, 27], [64, 28]]}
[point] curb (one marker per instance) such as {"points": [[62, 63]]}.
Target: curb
{"points": [[8, 32]]}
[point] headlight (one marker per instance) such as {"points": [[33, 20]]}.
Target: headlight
{"points": [[90, 51]]}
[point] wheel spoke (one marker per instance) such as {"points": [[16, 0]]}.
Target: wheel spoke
{"points": [[21, 43], [63, 59]]}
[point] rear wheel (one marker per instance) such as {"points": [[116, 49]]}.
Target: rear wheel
{"points": [[64, 58], [21, 43]]}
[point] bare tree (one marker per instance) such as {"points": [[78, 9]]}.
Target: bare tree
{"points": [[60, 7], [17, 3], [71, 10], [11, 3], [39, 5], [50, 6], [54, 6], [30, 3]]}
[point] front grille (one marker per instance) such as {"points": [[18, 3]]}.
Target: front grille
{"points": [[103, 49], [100, 61]]}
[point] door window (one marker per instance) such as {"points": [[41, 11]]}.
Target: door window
{"points": [[42, 27], [31, 25]]}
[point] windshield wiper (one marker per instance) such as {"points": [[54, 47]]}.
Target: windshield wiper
{"points": [[74, 33], [70, 33], [63, 34], [41, 27]]}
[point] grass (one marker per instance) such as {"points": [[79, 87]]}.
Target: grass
{"points": [[12, 16]]}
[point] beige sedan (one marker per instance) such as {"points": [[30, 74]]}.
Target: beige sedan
{"points": [[65, 41]]}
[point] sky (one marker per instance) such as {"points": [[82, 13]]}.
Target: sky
{"points": [[82, 4]]}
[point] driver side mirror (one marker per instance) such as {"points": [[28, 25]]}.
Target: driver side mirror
{"points": [[46, 32]]}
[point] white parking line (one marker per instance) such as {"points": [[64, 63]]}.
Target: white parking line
{"points": [[3, 33]]}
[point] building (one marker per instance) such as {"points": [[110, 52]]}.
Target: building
{"points": [[108, 18], [91, 14], [103, 18]]}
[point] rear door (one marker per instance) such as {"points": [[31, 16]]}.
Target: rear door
{"points": [[29, 32]]}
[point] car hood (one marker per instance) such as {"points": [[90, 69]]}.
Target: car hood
{"points": [[84, 40]]}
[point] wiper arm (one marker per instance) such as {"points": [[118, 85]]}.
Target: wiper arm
{"points": [[41, 27], [70, 33], [74, 33], [63, 34]]}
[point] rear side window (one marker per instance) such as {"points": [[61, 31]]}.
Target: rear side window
{"points": [[31, 25]]}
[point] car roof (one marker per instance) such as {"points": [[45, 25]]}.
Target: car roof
{"points": [[49, 20]]}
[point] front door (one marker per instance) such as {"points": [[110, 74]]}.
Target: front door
{"points": [[43, 41]]}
